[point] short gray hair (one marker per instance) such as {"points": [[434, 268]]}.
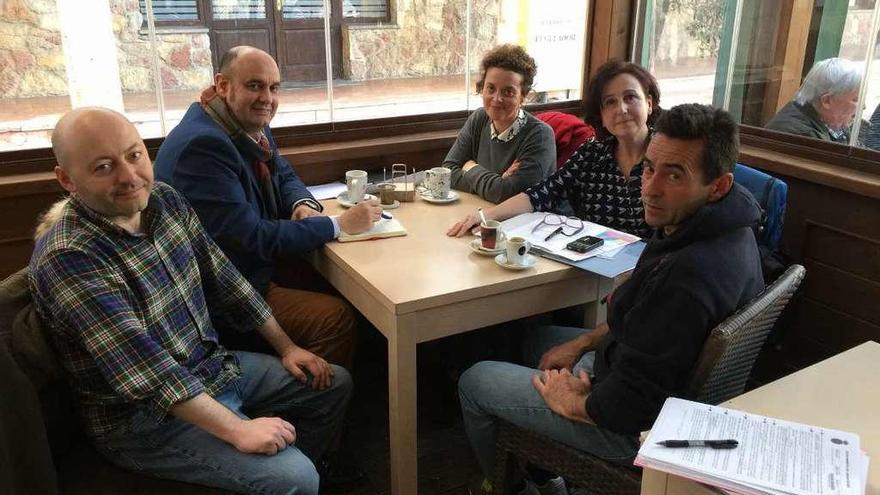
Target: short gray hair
{"points": [[832, 76]]}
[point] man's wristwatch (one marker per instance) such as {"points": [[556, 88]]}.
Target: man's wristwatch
{"points": [[311, 203]]}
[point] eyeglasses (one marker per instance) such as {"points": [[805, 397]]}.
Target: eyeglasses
{"points": [[567, 226]]}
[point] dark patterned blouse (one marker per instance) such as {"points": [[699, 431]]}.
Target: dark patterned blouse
{"points": [[597, 191]]}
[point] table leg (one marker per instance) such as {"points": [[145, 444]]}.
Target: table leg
{"points": [[402, 406], [597, 311]]}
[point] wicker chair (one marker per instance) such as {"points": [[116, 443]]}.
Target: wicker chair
{"points": [[720, 373]]}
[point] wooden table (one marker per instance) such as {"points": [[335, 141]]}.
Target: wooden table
{"points": [[425, 286], [838, 393]]}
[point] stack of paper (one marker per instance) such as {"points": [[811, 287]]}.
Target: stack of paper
{"points": [[773, 456], [522, 225]]}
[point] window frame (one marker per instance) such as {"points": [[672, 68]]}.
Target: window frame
{"points": [[390, 17], [200, 22]]}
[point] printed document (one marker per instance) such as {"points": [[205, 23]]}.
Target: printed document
{"points": [[773, 456], [522, 225]]}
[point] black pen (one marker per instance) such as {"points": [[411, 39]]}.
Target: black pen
{"points": [[715, 444], [558, 230]]}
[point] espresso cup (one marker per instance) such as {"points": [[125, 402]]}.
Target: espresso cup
{"points": [[356, 181], [438, 181], [517, 248], [491, 235], [387, 192]]}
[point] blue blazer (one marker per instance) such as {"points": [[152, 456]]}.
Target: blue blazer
{"points": [[200, 160]]}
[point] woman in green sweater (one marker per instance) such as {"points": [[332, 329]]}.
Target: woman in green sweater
{"points": [[502, 149]]}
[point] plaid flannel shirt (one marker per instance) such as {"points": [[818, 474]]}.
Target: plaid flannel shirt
{"points": [[130, 315]]}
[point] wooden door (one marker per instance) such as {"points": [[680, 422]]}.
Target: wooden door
{"points": [[240, 22], [299, 34]]}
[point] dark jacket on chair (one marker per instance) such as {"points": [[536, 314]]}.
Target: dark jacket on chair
{"points": [[200, 160], [682, 287]]}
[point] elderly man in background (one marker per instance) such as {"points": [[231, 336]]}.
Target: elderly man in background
{"points": [[222, 158], [131, 289], [825, 104]]}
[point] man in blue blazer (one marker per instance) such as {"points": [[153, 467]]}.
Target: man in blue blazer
{"points": [[223, 159]]}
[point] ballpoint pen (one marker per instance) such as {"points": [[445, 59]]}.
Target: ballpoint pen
{"points": [[386, 216], [715, 444], [558, 230]]}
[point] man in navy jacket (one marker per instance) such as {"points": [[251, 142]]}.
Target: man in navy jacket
{"points": [[597, 389], [223, 159]]}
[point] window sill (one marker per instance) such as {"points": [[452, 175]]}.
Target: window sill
{"points": [[361, 148], [175, 30], [367, 26], [863, 183]]}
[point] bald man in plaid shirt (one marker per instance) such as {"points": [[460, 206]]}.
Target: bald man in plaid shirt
{"points": [[131, 289]]}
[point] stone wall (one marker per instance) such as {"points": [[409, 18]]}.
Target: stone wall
{"points": [[32, 59], [184, 55], [426, 38]]}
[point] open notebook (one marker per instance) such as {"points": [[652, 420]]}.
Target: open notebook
{"points": [[381, 229]]}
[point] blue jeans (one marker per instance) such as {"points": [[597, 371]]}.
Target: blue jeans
{"points": [[178, 450], [491, 389]]}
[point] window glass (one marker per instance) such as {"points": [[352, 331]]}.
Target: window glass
{"points": [[554, 37], [412, 63], [358, 60], [811, 90], [172, 10], [303, 9], [804, 68], [238, 9], [869, 134], [365, 9], [682, 41]]}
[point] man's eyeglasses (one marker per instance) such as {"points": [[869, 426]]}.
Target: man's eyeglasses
{"points": [[567, 226]]}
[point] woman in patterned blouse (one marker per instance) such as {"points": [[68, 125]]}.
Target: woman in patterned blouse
{"points": [[602, 180]]}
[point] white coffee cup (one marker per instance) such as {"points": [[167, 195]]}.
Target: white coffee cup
{"points": [[356, 181], [517, 248], [438, 181]]}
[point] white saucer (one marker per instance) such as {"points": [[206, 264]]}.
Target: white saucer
{"points": [[477, 247], [528, 262], [343, 199], [392, 206], [453, 196]]}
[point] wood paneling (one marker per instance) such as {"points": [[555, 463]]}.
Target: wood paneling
{"points": [[791, 44], [843, 292], [832, 227], [22, 204], [830, 329], [611, 27], [851, 253]]}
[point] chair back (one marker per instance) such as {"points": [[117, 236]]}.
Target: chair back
{"points": [[772, 194], [569, 131], [732, 347]]}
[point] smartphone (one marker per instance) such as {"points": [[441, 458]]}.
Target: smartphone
{"points": [[585, 243]]}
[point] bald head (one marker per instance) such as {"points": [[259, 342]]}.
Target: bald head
{"points": [[103, 160], [82, 123], [229, 62], [249, 82]]}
